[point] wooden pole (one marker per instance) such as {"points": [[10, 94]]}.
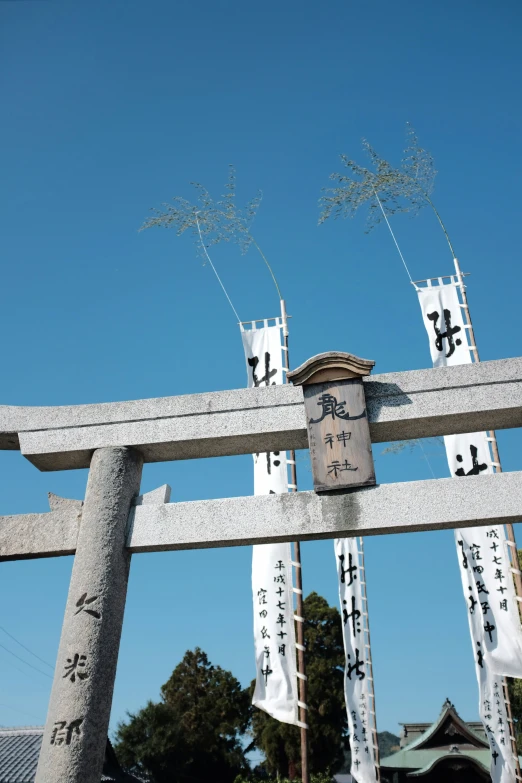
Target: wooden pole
{"points": [[368, 646], [513, 555], [301, 661]]}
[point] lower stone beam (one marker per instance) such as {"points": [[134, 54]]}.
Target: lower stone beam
{"points": [[54, 533], [407, 507], [155, 525]]}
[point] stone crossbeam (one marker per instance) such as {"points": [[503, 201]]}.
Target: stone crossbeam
{"points": [[263, 519], [414, 404], [49, 534]]}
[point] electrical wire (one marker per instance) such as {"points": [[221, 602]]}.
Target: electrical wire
{"points": [[24, 672], [22, 712], [26, 648], [45, 674]]}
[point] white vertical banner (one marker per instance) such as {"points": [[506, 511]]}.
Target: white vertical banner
{"points": [[484, 635], [443, 320], [485, 566], [356, 691], [274, 630], [489, 590]]}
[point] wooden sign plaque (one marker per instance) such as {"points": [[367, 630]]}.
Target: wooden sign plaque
{"points": [[338, 431]]}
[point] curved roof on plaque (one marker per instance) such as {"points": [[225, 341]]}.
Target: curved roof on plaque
{"points": [[330, 366]]}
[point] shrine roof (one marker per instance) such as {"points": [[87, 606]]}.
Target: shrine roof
{"points": [[20, 748], [19, 751], [447, 725], [424, 759], [481, 764]]}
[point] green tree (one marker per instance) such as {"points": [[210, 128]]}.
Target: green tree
{"points": [[196, 727], [326, 713]]}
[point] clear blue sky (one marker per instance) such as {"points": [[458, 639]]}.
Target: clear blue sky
{"points": [[111, 108]]}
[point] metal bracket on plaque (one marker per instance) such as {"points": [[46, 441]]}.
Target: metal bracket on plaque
{"points": [[338, 431]]}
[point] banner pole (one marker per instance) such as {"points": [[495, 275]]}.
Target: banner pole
{"points": [[491, 434], [301, 661], [377, 755], [513, 552]]}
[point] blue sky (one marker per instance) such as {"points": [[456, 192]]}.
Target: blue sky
{"points": [[111, 108]]}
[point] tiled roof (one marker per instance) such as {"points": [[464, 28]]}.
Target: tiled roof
{"points": [[19, 751], [418, 759]]}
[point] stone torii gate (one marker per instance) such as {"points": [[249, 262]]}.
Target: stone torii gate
{"points": [[113, 440]]}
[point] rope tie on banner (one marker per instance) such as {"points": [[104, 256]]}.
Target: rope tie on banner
{"points": [[214, 269], [301, 724], [295, 565], [510, 543], [300, 647], [297, 590], [298, 619], [302, 704], [516, 571], [301, 676]]}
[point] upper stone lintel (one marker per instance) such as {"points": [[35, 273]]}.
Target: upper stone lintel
{"points": [[330, 366]]}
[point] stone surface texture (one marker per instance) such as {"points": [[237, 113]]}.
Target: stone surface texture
{"points": [[75, 734], [415, 404], [159, 495], [155, 525], [389, 508], [50, 534]]}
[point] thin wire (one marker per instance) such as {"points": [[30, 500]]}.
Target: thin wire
{"points": [[426, 457], [393, 236], [23, 712], [26, 648], [27, 664], [214, 269]]}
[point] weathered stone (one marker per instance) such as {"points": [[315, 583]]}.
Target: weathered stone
{"points": [[55, 533], [75, 733], [155, 496], [415, 404], [50, 534], [388, 508], [405, 507]]}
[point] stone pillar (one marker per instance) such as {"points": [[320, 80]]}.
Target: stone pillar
{"points": [[75, 733]]}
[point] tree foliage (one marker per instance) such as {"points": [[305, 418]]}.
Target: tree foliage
{"points": [[194, 729], [326, 713], [406, 188]]}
